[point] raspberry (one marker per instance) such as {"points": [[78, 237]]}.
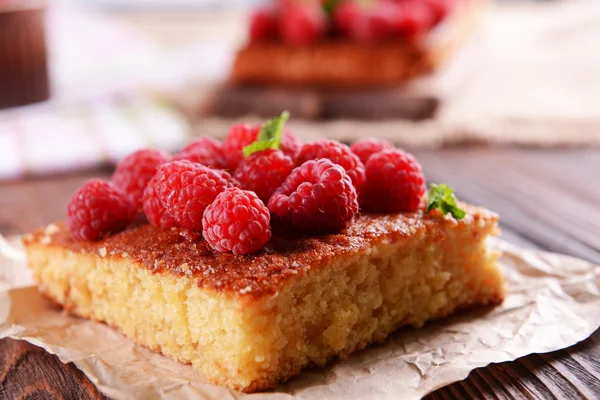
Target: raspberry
{"points": [[318, 196], [153, 207], [289, 144], [395, 182], [263, 25], [97, 209], [367, 147], [207, 151], [413, 17], [134, 171], [373, 24], [186, 189], [302, 23], [440, 9], [344, 14], [241, 135], [263, 172], [237, 221], [338, 153]]}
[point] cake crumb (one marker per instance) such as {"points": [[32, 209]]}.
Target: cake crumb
{"points": [[125, 254], [259, 359], [46, 240], [245, 290], [102, 252], [51, 229], [185, 267]]}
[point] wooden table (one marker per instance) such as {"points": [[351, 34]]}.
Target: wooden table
{"points": [[548, 199]]}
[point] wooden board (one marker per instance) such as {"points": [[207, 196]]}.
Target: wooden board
{"points": [[320, 104], [547, 199]]}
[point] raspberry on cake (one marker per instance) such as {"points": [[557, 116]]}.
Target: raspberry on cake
{"points": [[242, 135], [250, 295], [367, 147], [318, 196], [207, 151], [237, 221], [395, 182], [340, 154], [186, 188], [135, 171], [263, 172], [155, 211], [97, 209]]}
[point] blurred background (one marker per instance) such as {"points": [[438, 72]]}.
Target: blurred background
{"points": [[85, 82]]}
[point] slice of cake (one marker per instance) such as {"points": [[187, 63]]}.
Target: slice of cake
{"points": [[306, 253], [342, 59], [249, 322]]}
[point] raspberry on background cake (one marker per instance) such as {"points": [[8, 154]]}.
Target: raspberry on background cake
{"points": [[23, 58]]}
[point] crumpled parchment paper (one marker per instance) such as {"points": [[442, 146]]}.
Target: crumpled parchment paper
{"points": [[553, 302]]}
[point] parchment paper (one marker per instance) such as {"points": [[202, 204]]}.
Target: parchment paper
{"points": [[553, 302]]}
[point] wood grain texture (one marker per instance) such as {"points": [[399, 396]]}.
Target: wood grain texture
{"points": [[547, 199], [29, 372]]}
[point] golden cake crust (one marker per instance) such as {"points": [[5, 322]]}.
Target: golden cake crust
{"points": [[335, 63], [286, 255]]}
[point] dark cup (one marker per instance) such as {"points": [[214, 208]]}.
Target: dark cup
{"points": [[23, 55]]}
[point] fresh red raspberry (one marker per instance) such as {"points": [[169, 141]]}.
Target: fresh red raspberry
{"points": [[289, 144], [263, 25], [395, 182], [367, 147], [338, 153], [237, 222], [186, 189], [153, 206], [440, 9], [263, 172], [318, 196], [413, 17], [302, 23], [134, 171], [241, 135], [97, 209], [207, 151], [344, 14], [373, 24]]}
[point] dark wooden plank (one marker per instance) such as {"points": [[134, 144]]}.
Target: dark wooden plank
{"points": [[547, 199], [29, 372], [25, 205], [536, 209]]}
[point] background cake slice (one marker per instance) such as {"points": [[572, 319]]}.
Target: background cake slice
{"points": [[340, 76], [249, 322]]}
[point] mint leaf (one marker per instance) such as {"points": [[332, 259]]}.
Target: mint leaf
{"points": [[269, 136], [329, 6], [442, 197]]}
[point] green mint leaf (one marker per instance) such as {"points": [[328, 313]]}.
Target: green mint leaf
{"points": [[330, 5], [441, 197], [269, 136]]}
